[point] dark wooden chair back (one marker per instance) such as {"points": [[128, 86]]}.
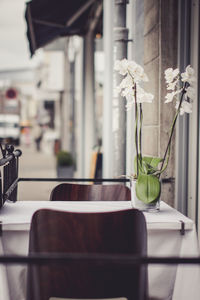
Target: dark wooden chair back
{"points": [[120, 232], [92, 192]]}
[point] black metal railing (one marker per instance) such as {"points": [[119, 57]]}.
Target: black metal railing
{"points": [[95, 180], [9, 175], [96, 258], [115, 262]]}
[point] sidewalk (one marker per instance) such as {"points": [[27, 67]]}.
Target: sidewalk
{"points": [[39, 165]]}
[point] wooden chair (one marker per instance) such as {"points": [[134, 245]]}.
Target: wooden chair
{"points": [[120, 232], [92, 192]]}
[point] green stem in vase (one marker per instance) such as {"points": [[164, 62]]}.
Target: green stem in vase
{"points": [[140, 133], [136, 129]]}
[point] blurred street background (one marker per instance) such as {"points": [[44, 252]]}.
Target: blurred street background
{"points": [[40, 96], [36, 164], [41, 99], [22, 108]]}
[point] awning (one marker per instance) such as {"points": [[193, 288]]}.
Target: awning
{"points": [[50, 19]]}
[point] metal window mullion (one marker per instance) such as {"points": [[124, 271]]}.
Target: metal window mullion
{"points": [[198, 135], [183, 122]]}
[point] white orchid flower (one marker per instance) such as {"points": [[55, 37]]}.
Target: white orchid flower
{"points": [[144, 77], [142, 96], [128, 93], [137, 72], [145, 98], [132, 68], [188, 75], [121, 66], [190, 92], [189, 71], [169, 97], [172, 85], [171, 74], [127, 82], [186, 107], [181, 109]]}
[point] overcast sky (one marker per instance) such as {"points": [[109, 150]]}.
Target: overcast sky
{"points": [[14, 52]]}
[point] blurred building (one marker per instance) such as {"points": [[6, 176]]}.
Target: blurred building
{"points": [[23, 80]]}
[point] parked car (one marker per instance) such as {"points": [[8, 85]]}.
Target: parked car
{"points": [[10, 128]]}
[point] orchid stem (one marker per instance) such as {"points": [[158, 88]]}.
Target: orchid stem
{"points": [[140, 132], [136, 129], [167, 151]]}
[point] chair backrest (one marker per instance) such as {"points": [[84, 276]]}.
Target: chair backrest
{"points": [[92, 192], [120, 232]]}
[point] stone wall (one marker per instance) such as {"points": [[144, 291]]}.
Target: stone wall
{"points": [[160, 53]]}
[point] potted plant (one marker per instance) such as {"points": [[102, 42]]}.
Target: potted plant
{"points": [[65, 164], [146, 181]]}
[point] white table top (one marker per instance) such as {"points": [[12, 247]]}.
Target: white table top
{"points": [[20, 213]]}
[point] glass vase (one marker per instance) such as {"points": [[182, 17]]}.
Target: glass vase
{"points": [[147, 207]]}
